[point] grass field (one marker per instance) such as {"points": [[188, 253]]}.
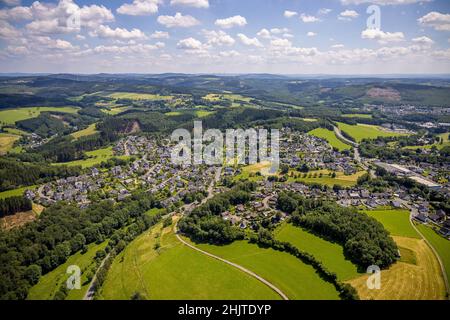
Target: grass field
{"points": [[50, 283], [115, 111], [395, 221], [330, 137], [94, 157], [309, 119], [85, 132], [6, 142], [175, 271], [296, 279], [203, 113], [440, 244], [11, 116], [358, 115], [249, 172], [173, 113], [365, 131], [340, 179], [330, 254], [138, 96], [227, 96], [15, 192], [15, 131], [407, 281]]}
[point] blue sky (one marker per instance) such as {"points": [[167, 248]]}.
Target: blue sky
{"points": [[224, 36]]}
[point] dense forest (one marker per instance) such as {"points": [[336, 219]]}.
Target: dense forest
{"points": [[365, 241], [13, 205], [61, 231]]}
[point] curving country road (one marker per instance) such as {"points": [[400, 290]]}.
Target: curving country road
{"points": [[254, 275]]}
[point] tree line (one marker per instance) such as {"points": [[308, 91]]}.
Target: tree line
{"points": [[12, 205]]}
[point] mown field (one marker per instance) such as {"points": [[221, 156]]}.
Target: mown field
{"points": [[296, 279], [416, 276], [440, 244], [85, 132], [324, 177], [357, 115], [11, 116], [395, 221], [50, 283], [330, 137], [15, 192], [115, 111], [365, 131], [254, 172], [138, 96], [94, 157], [175, 271], [6, 142], [330, 254]]}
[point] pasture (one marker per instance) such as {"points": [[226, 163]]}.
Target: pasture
{"points": [[330, 137], [330, 254], [15, 192], [94, 158], [440, 244], [139, 96], [365, 131], [357, 115], [160, 267], [408, 279], [296, 279], [325, 177], [115, 111], [50, 283], [85, 132], [11, 116], [7, 142], [394, 221], [254, 172]]}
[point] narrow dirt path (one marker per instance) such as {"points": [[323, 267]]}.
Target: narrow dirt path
{"points": [[254, 275]]}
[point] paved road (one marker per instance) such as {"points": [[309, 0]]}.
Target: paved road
{"points": [[91, 290], [254, 275], [338, 133], [264, 281]]}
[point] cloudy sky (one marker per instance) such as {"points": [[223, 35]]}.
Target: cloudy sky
{"points": [[225, 36]]}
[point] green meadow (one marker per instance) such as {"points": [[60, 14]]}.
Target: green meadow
{"points": [[440, 244], [395, 221], [7, 142], [330, 254], [85, 132], [365, 131], [94, 158], [138, 96], [358, 115], [160, 267], [330, 137], [11, 116], [325, 177], [296, 279], [15, 192], [50, 283]]}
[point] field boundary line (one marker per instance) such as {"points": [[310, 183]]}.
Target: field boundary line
{"points": [[444, 274], [251, 273]]}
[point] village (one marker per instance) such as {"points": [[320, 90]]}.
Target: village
{"points": [[153, 171]]}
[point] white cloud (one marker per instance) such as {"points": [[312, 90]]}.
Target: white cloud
{"points": [[348, 15], [235, 21], [249, 41], [229, 54], [324, 11], [130, 49], [337, 46], [281, 43], [308, 19], [381, 2], [191, 3], [118, 33], [178, 20], [290, 14], [190, 44], [160, 35], [139, 7], [264, 33], [80, 37], [423, 41], [381, 36], [218, 38], [7, 31], [274, 32], [58, 18], [56, 44], [438, 21], [311, 34]]}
